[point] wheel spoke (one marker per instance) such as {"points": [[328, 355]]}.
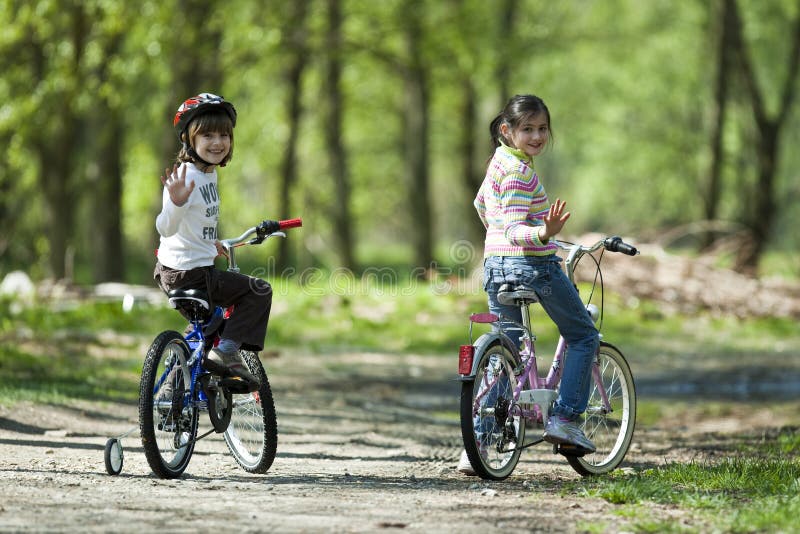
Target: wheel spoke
{"points": [[167, 419], [491, 430], [252, 433]]}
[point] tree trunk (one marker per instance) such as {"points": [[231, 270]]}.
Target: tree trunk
{"points": [[762, 215], [7, 212], [294, 74], [107, 246], [342, 224], [505, 58], [415, 115], [54, 177], [471, 173], [56, 146], [107, 240], [724, 47]]}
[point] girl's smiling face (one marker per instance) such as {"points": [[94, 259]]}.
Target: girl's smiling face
{"points": [[530, 135], [212, 146]]}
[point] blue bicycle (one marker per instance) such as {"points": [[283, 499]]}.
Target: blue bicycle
{"points": [[175, 387]]}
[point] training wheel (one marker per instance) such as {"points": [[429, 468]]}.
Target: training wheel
{"points": [[113, 456]]}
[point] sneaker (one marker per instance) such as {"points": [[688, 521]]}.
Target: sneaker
{"points": [[464, 465], [565, 432], [223, 363]]}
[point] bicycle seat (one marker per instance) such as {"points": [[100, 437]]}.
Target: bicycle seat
{"points": [[516, 295], [192, 301]]}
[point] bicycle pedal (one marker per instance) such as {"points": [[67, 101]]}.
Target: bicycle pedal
{"points": [[572, 450], [237, 385]]}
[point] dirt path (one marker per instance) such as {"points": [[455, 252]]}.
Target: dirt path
{"points": [[360, 451]]}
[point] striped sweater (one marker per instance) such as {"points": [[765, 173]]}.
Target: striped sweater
{"points": [[511, 204]]}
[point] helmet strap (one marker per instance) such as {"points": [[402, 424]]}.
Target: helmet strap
{"points": [[195, 156]]}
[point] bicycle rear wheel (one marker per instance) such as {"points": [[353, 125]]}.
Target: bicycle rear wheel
{"points": [[252, 435], [611, 431], [492, 434], [167, 421]]}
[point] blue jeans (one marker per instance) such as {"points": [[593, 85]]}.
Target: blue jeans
{"points": [[561, 301]]}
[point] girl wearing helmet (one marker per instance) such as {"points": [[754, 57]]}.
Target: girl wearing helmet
{"points": [[187, 225]]}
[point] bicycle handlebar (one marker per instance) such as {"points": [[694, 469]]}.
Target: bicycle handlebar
{"points": [[616, 244], [262, 231], [290, 223], [612, 244]]}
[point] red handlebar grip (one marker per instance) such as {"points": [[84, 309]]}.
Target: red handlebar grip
{"points": [[290, 223]]}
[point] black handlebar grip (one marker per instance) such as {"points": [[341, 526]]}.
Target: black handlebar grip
{"points": [[267, 227], [616, 244], [630, 250]]}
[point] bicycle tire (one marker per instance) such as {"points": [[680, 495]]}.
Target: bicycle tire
{"points": [[167, 432], [492, 435], [113, 456], [252, 435], [610, 432]]}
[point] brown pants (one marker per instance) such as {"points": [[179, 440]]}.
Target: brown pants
{"points": [[251, 298]]}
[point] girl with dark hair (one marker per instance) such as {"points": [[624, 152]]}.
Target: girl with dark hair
{"points": [[520, 223]]}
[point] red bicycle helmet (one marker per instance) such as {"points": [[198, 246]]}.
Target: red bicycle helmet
{"points": [[198, 104]]}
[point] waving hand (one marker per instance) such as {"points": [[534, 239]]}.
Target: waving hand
{"points": [[176, 185]]}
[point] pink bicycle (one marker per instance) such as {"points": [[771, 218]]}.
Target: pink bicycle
{"points": [[502, 393]]}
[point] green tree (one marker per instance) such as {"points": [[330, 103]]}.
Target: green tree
{"points": [[340, 216], [770, 126], [297, 47], [377, 117], [725, 45], [416, 114], [54, 36], [106, 147]]}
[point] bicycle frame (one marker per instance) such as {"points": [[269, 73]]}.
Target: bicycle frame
{"points": [[541, 391], [502, 392], [196, 339]]}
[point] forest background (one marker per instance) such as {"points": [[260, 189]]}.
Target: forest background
{"points": [[672, 121]]}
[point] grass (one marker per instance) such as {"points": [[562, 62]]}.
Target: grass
{"points": [[755, 490], [91, 348]]}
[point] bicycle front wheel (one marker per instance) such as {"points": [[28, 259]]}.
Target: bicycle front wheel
{"points": [[492, 434], [167, 413], [252, 435], [610, 430]]}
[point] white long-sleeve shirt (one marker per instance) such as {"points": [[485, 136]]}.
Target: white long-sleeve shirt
{"points": [[188, 232]]}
